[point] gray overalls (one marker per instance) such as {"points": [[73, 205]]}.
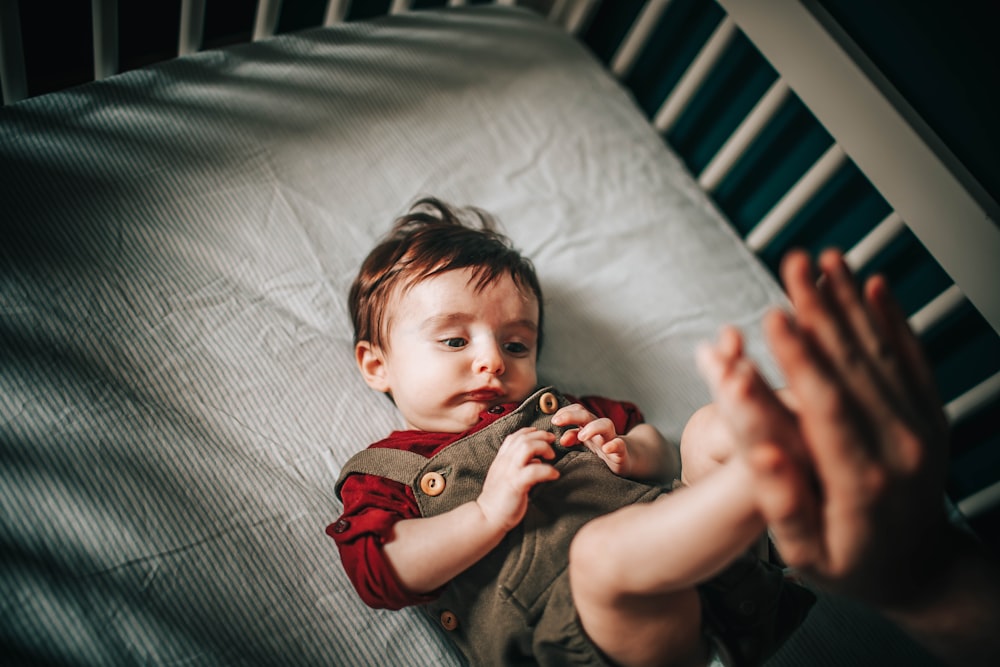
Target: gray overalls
{"points": [[498, 612], [514, 606]]}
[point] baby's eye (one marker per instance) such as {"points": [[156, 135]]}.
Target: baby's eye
{"points": [[454, 342], [516, 348]]}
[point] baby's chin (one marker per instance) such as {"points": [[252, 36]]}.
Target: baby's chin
{"points": [[456, 422]]}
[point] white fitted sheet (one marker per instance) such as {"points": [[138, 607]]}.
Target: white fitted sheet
{"points": [[177, 388]]}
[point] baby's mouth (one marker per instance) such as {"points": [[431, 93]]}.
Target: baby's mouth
{"points": [[484, 395]]}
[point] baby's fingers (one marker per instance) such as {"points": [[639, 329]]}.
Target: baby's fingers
{"points": [[536, 472], [597, 432], [525, 445], [575, 414], [615, 450], [530, 465]]}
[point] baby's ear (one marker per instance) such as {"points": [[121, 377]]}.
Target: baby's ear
{"points": [[371, 363]]}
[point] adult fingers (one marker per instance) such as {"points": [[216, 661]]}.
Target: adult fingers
{"points": [[926, 417], [837, 436], [835, 329], [911, 365], [861, 326], [844, 450], [816, 310], [845, 296]]}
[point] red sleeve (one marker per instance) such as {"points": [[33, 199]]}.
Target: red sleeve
{"points": [[372, 505], [624, 415]]}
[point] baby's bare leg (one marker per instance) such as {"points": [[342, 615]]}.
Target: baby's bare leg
{"points": [[662, 630], [707, 443], [633, 572]]}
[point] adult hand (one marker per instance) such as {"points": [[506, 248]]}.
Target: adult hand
{"points": [[851, 479]]}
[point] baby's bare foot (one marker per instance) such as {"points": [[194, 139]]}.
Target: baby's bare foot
{"points": [[757, 416]]}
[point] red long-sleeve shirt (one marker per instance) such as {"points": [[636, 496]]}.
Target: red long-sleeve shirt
{"points": [[372, 505]]}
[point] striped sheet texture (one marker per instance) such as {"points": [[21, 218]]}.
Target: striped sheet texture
{"points": [[177, 388]]}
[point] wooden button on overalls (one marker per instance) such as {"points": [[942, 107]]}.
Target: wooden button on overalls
{"points": [[548, 403], [448, 620], [432, 483]]}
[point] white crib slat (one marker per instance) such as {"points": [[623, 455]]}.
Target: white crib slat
{"points": [[793, 201], [749, 129], [875, 241], [399, 6], [695, 75], [974, 399], [15, 83], [637, 37], [266, 21], [937, 309], [456, 3], [336, 12], [105, 25], [912, 168], [980, 502], [572, 15], [557, 11], [192, 26]]}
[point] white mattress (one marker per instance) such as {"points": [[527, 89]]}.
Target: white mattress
{"points": [[177, 389]]}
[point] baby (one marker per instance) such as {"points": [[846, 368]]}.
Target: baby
{"points": [[536, 527]]}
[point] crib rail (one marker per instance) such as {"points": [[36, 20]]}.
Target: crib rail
{"points": [[848, 163], [191, 27], [798, 138], [880, 134]]}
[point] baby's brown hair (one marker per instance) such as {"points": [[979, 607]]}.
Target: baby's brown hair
{"points": [[430, 239]]}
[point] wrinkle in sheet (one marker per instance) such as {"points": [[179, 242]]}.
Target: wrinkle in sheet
{"points": [[210, 366]]}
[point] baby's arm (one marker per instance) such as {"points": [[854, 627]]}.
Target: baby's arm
{"points": [[642, 453], [427, 553]]}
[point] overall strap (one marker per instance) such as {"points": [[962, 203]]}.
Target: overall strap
{"points": [[394, 464]]}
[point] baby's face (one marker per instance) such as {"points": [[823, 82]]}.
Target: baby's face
{"points": [[453, 351]]}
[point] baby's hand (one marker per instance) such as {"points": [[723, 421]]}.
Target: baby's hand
{"points": [[519, 465], [598, 435]]}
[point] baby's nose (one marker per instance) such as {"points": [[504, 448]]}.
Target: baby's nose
{"points": [[490, 360]]}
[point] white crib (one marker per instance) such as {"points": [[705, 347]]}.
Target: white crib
{"points": [[182, 215]]}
